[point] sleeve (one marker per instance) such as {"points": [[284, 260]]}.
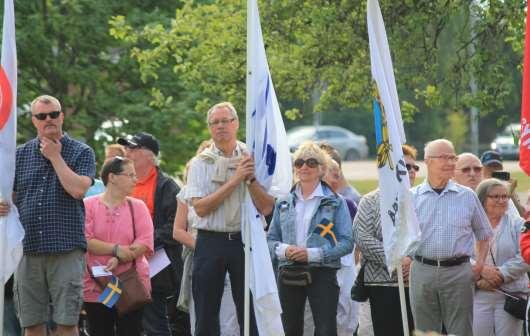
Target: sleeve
{"points": [[280, 251], [274, 236], [364, 231], [89, 218], [344, 235], [85, 165], [524, 243], [515, 267], [197, 185], [144, 226], [479, 221], [164, 223]]}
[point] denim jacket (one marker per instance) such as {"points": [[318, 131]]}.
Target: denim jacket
{"points": [[331, 208]]}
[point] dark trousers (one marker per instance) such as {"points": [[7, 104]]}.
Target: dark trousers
{"points": [[386, 310], [215, 254], [103, 321], [323, 295], [155, 321]]}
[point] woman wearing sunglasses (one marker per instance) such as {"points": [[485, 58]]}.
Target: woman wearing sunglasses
{"points": [[118, 230], [504, 272], [309, 233], [383, 291]]}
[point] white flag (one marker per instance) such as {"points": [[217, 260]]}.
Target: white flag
{"points": [[398, 220], [12, 232], [267, 141]]}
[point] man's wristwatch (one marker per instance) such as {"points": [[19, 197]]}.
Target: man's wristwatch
{"points": [[525, 227]]}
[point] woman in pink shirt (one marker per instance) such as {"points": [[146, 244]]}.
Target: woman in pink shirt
{"points": [[114, 243]]}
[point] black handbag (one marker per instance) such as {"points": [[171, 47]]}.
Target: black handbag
{"points": [[295, 275], [515, 306], [359, 291]]}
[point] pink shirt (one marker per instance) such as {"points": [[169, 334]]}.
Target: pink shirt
{"points": [[115, 226]]}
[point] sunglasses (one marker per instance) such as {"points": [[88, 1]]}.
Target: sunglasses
{"points": [[410, 167], [311, 163], [43, 116], [467, 170]]}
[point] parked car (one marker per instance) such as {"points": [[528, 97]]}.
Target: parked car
{"points": [[505, 144], [350, 145]]}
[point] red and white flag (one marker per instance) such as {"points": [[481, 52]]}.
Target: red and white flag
{"points": [[11, 231], [524, 146]]}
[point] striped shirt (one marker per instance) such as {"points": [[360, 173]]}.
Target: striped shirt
{"points": [[199, 184], [448, 221]]}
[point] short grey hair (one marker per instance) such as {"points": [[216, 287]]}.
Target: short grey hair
{"points": [[484, 188], [46, 100], [429, 146], [226, 105], [154, 158]]}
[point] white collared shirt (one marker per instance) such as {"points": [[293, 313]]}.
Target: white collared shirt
{"points": [[305, 208]]}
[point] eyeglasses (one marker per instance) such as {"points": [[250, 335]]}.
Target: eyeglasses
{"points": [[311, 163], [410, 167], [445, 157], [43, 116], [501, 197], [467, 170], [131, 175], [223, 122]]}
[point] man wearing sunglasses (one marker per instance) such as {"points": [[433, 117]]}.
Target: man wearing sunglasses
{"points": [[159, 192], [53, 172], [468, 170]]}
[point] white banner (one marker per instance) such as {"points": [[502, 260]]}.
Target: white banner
{"points": [[398, 219], [267, 141]]}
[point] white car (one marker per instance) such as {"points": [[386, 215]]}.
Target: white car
{"points": [[350, 145]]}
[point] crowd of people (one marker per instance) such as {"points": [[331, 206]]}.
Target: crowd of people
{"points": [[459, 276]]}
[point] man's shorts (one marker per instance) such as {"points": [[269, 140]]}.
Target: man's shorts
{"points": [[49, 278]]}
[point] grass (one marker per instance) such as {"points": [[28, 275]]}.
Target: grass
{"points": [[364, 186]]}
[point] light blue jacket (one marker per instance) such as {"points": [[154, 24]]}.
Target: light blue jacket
{"points": [[508, 255], [332, 208]]}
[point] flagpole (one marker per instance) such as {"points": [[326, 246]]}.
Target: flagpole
{"points": [[3, 234], [245, 221], [402, 300]]}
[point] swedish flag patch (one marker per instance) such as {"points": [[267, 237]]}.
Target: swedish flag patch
{"points": [[326, 230]]}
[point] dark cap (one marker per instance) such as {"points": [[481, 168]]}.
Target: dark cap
{"points": [[491, 157], [141, 140]]}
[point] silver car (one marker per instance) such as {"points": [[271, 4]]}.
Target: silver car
{"points": [[504, 143], [350, 145]]}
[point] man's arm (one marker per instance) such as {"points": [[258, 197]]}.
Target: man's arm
{"points": [[262, 200], [208, 204], [482, 252], [74, 184]]}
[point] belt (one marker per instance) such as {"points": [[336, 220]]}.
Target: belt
{"points": [[223, 235], [444, 263]]}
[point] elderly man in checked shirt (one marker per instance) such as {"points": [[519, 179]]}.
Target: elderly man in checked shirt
{"points": [[451, 221], [53, 172]]}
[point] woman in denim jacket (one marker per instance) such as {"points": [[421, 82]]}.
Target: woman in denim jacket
{"points": [[311, 227], [504, 271]]}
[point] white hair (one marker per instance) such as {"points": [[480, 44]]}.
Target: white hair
{"points": [[46, 100], [226, 105], [431, 145]]}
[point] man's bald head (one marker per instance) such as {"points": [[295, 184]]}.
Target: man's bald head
{"points": [[468, 170]]}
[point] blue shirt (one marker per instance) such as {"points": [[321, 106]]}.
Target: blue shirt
{"points": [[449, 220], [53, 220]]}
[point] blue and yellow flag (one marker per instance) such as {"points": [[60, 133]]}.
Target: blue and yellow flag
{"points": [[326, 230], [111, 293]]}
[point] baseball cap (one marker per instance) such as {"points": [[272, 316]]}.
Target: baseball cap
{"points": [[491, 157], [143, 140]]}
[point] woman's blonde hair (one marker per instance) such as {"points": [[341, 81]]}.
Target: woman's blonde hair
{"points": [[311, 149]]}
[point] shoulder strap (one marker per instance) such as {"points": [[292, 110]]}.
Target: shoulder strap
{"points": [[131, 209]]}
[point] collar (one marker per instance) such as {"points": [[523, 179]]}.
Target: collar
{"points": [[238, 150], [425, 187], [148, 177], [318, 192]]}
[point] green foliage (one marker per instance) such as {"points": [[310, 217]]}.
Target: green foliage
{"points": [[158, 66]]}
